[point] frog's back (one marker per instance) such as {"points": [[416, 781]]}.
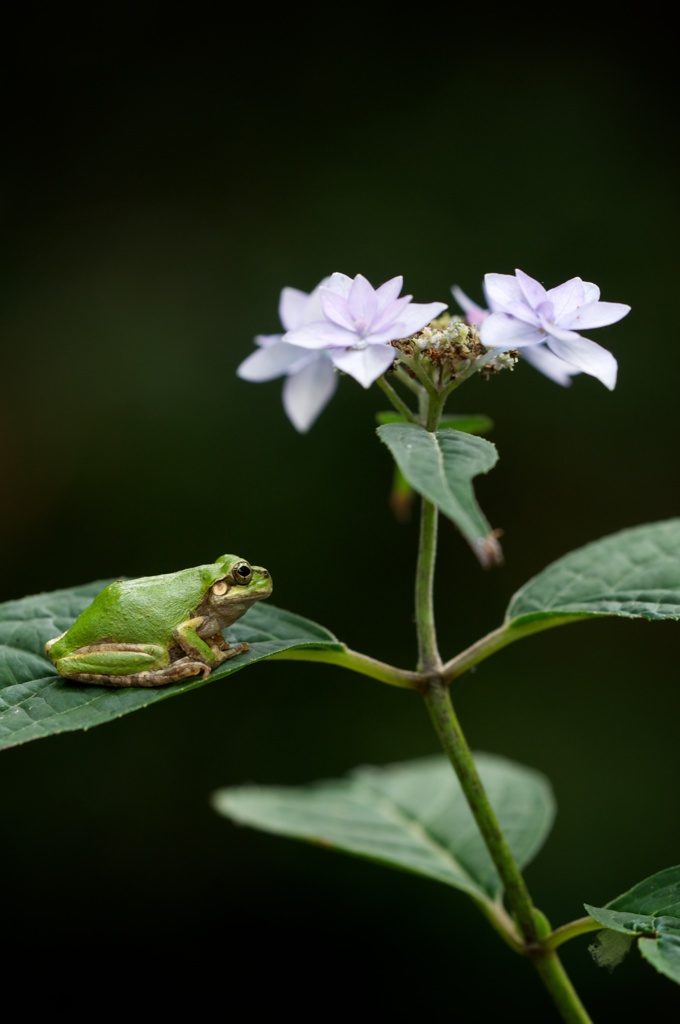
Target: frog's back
{"points": [[144, 610]]}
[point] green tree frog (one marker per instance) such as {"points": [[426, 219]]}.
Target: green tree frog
{"points": [[156, 630]]}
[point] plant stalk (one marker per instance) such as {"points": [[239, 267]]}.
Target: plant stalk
{"points": [[437, 699], [545, 960]]}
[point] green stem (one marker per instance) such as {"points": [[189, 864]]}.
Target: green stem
{"points": [[499, 638], [396, 400], [356, 662], [558, 984], [415, 366], [438, 702], [405, 377], [582, 926], [545, 960], [428, 652]]}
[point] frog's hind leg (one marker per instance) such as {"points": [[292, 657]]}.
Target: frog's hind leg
{"points": [[121, 664], [156, 677]]}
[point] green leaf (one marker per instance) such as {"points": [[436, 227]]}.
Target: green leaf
{"points": [[441, 466], [633, 573], [412, 816], [36, 702], [649, 911], [470, 423]]}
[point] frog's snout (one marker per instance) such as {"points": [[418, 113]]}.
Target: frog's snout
{"points": [[265, 576]]}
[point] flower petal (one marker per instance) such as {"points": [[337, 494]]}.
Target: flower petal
{"points": [[390, 316], [591, 291], [362, 304], [307, 393], [339, 283], [321, 334], [336, 309], [566, 298], [587, 356], [499, 330], [595, 314], [389, 291], [501, 289], [550, 365], [416, 316], [292, 305], [474, 314], [366, 364], [533, 291], [273, 361]]}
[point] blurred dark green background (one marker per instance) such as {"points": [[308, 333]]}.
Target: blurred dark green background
{"points": [[158, 188]]}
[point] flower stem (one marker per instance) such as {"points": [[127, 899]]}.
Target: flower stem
{"points": [[428, 652], [429, 659], [438, 702], [396, 400], [545, 960], [435, 692]]}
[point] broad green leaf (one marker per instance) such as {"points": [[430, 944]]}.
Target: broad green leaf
{"points": [[441, 467], [411, 815], [649, 911], [402, 494], [470, 423], [633, 573], [36, 702]]}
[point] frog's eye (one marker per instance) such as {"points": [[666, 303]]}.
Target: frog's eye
{"points": [[220, 588], [242, 574]]}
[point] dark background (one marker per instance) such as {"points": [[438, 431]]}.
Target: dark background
{"points": [[160, 184]]}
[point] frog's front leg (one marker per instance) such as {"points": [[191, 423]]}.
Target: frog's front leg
{"points": [[212, 650], [120, 664]]}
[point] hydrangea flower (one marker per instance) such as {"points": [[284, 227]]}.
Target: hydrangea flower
{"points": [[524, 315], [310, 378], [539, 356], [359, 322]]}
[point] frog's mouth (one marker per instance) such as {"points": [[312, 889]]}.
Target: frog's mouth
{"points": [[264, 584]]}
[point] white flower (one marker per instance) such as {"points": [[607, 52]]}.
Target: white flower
{"points": [[310, 378], [539, 356], [359, 322], [524, 315]]}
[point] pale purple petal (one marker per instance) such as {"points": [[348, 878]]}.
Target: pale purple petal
{"points": [[561, 333], [362, 304], [336, 309], [267, 340], [595, 314], [272, 361], [339, 283], [292, 305], [522, 311], [389, 291], [505, 332], [366, 364], [533, 291], [416, 316], [308, 392], [588, 357], [541, 358], [322, 334], [591, 291], [501, 289], [474, 314], [390, 315], [566, 298]]}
